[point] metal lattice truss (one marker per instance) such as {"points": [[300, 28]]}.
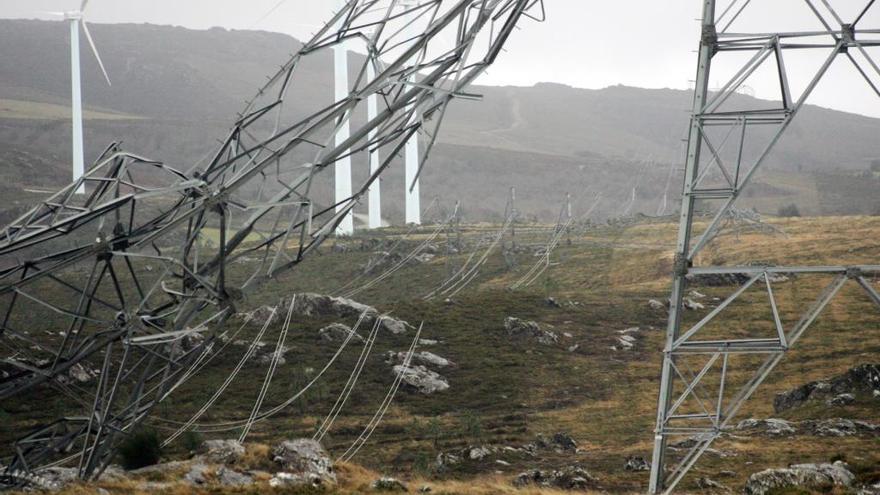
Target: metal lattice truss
{"points": [[713, 365], [132, 281]]}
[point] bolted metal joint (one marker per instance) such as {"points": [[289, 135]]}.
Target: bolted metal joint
{"points": [[681, 265], [710, 36], [853, 272]]}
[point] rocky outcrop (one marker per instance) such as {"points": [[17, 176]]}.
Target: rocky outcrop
{"points": [[567, 478], [861, 379], [222, 451], [525, 329], [303, 461], [420, 379], [802, 476], [768, 427], [835, 427], [337, 332]]}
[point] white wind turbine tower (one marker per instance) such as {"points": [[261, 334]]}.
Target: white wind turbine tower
{"points": [[76, 19], [343, 165], [411, 154]]}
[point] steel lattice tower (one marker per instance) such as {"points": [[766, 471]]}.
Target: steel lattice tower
{"points": [[130, 280], [701, 390]]}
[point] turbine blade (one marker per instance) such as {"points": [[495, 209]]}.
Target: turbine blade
{"points": [[95, 49], [82, 7]]}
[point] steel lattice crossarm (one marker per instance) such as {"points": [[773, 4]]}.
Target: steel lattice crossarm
{"points": [[716, 359], [134, 279]]}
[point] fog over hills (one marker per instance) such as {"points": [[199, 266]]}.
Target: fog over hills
{"points": [[175, 91]]}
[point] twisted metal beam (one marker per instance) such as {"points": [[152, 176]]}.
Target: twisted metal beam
{"points": [[138, 276]]}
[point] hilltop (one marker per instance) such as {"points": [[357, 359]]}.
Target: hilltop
{"points": [[175, 91]]}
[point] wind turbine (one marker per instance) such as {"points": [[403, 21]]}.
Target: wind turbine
{"points": [[76, 18], [411, 156], [343, 165]]}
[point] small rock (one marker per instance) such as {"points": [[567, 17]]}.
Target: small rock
{"points": [[428, 342], [386, 484], [425, 489], [337, 332], [636, 463], [306, 459], [529, 329], [553, 303], [282, 479], [421, 379], [574, 348], [656, 305], [705, 483], [842, 400], [478, 453], [802, 476], [692, 305], [424, 357]]}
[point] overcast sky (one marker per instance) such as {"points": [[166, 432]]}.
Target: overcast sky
{"points": [[584, 43]]}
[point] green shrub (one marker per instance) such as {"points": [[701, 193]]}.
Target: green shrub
{"points": [[191, 440], [140, 449]]}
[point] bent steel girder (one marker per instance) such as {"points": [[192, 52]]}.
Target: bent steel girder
{"points": [[134, 280], [712, 367]]}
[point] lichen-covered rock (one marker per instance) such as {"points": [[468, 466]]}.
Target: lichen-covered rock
{"points": [[421, 379], [386, 484], [839, 427], [529, 329], [304, 459], [337, 332], [197, 475], [863, 378], [222, 451], [770, 427], [228, 477], [804, 476]]}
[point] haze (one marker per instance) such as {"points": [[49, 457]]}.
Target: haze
{"points": [[584, 43]]}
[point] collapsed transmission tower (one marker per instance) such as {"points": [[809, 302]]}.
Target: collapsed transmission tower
{"points": [[136, 278], [712, 366]]}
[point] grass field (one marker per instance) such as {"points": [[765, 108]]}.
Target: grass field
{"points": [[507, 392]]}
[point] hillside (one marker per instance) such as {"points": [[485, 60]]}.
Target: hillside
{"points": [[175, 91], [508, 392]]}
